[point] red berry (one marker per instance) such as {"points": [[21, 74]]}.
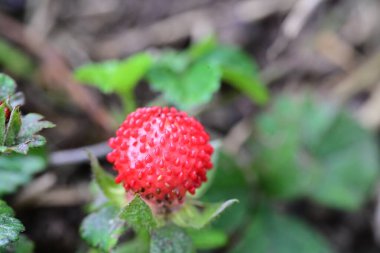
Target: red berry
{"points": [[7, 112], [161, 153]]}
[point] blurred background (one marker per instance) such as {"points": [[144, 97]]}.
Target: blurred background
{"points": [[319, 59]]}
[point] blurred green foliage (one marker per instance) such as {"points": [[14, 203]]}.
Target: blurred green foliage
{"points": [[17, 169], [22, 245], [271, 232], [15, 61], [186, 79], [307, 149]]}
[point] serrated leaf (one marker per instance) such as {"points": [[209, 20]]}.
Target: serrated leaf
{"points": [[22, 245], [7, 86], [13, 127], [10, 227], [16, 99], [270, 232], [206, 239], [319, 153], [106, 182], [197, 215], [139, 215], [32, 123], [170, 239], [186, 88], [115, 76], [34, 141], [102, 229], [17, 170], [239, 71]]}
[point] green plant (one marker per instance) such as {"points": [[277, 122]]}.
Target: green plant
{"points": [[19, 159], [170, 221], [300, 149]]}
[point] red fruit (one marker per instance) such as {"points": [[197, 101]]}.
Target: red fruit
{"points": [[161, 153], [7, 112]]}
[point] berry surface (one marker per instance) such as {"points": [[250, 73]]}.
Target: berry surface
{"points": [[161, 154]]}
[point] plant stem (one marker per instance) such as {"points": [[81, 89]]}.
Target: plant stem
{"points": [[129, 102]]}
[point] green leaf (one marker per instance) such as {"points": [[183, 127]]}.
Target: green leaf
{"points": [[106, 182], [197, 215], [274, 233], [206, 239], [170, 239], [238, 70], [32, 123], [103, 228], [21, 132], [229, 182], [115, 76], [22, 245], [16, 100], [13, 127], [303, 148], [185, 86], [7, 87], [10, 227], [17, 170], [248, 84], [139, 215]]}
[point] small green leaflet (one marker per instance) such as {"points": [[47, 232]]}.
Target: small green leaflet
{"points": [[239, 71], [187, 84], [115, 76], [198, 215], [139, 215], [10, 227]]}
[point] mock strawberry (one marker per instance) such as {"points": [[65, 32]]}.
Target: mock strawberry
{"points": [[161, 153]]}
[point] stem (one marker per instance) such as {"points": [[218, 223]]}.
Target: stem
{"points": [[129, 102]]}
